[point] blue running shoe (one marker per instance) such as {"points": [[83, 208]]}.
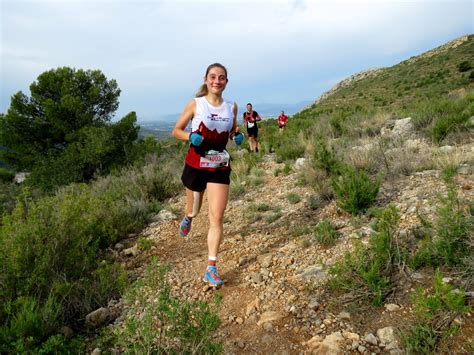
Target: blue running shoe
{"points": [[211, 276], [185, 226]]}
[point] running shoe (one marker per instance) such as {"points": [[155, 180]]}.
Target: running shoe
{"points": [[185, 226], [211, 276]]}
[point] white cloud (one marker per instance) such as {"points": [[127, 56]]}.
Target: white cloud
{"points": [[274, 49]]}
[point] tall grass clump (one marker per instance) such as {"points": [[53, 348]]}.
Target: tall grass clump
{"points": [[51, 252], [324, 157], [289, 149], [443, 117], [8, 195], [241, 171], [355, 190], [325, 233], [446, 239], [157, 322], [368, 272], [6, 175], [435, 311]]}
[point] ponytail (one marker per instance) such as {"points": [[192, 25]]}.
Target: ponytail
{"points": [[202, 91]]}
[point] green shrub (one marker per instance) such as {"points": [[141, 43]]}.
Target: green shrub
{"points": [[355, 191], [325, 158], [285, 170], [314, 202], [261, 207], [447, 239], [325, 233], [289, 150], [448, 124], [435, 312], [163, 324], [442, 116], [8, 196], [464, 66], [420, 339], [50, 250], [368, 272], [337, 124], [272, 217], [293, 198], [58, 344], [6, 175]]}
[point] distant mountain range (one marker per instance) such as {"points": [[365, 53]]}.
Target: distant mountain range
{"points": [[160, 127], [268, 110]]}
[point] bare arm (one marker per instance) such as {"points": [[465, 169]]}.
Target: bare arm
{"points": [[183, 120], [235, 127], [258, 117]]}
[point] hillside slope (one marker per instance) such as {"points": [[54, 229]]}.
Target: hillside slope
{"points": [[432, 74], [276, 269]]}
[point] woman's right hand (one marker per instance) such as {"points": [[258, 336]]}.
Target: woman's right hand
{"points": [[195, 138]]}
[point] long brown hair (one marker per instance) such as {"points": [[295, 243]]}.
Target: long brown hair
{"points": [[203, 88]]}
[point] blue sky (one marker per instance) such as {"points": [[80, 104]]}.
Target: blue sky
{"points": [[276, 51]]}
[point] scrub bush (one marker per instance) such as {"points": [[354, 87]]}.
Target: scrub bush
{"points": [[355, 190]]}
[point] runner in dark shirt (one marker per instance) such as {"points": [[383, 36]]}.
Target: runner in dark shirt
{"points": [[250, 119]]}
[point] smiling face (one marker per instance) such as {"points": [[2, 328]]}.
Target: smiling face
{"points": [[216, 80]]}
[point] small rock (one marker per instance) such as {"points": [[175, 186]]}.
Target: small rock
{"points": [[387, 335], [265, 261], [370, 339], [392, 307], [133, 251], [268, 326], [447, 280], [446, 149], [313, 304], [96, 351], [97, 317], [351, 336], [164, 215], [269, 316], [67, 331], [300, 163], [119, 246], [344, 315]]}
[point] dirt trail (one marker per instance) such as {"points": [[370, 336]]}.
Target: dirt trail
{"points": [[243, 244]]}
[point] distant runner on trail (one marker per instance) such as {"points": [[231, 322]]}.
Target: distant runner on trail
{"points": [[250, 119], [207, 163], [282, 120]]}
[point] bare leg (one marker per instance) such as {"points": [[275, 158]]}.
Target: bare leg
{"points": [[190, 201], [217, 197], [251, 143]]}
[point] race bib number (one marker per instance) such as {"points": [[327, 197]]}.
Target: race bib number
{"points": [[250, 124], [215, 159]]}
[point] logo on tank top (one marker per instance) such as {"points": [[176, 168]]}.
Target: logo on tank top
{"points": [[216, 117]]}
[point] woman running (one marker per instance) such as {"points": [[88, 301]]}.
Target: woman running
{"points": [[207, 163]]}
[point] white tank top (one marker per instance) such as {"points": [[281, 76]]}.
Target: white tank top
{"points": [[214, 124], [219, 118]]}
